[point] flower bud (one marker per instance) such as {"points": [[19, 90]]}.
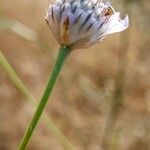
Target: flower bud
{"points": [[82, 23]]}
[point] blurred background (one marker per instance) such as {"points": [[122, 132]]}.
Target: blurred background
{"points": [[102, 98]]}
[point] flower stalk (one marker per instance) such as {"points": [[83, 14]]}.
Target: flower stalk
{"points": [[80, 24], [64, 51]]}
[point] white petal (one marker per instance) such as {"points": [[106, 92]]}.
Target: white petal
{"points": [[115, 24], [52, 25]]}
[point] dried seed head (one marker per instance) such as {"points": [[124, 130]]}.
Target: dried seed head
{"points": [[82, 23]]}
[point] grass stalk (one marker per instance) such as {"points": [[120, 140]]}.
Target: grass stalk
{"points": [[25, 92], [118, 95], [63, 53]]}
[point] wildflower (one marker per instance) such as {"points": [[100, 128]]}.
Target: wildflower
{"points": [[75, 24], [82, 23]]}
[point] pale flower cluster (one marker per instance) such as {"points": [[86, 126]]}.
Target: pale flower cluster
{"points": [[82, 23]]}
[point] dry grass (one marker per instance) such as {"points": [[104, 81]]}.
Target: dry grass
{"points": [[86, 89]]}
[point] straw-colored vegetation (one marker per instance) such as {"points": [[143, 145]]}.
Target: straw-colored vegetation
{"points": [[102, 98]]}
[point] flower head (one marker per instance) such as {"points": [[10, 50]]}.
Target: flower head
{"points": [[81, 23]]}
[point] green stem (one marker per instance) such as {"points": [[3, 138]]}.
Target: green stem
{"points": [[23, 89], [14, 77], [63, 53]]}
